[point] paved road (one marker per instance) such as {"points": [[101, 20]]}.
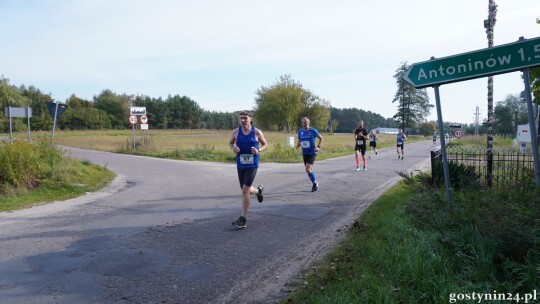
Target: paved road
{"points": [[162, 233]]}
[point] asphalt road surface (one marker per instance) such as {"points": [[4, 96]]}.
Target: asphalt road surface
{"points": [[162, 233]]}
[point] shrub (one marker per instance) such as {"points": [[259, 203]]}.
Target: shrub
{"points": [[25, 165]]}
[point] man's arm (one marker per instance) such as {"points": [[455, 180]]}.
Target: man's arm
{"points": [[232, 141], [262, 141]]}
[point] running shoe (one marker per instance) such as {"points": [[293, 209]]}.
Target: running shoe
{"points": [[357, 168], [375, 152], [259, 193], [369, 156], [315, 187], [401, 157], [365, 169], [240, 222]]}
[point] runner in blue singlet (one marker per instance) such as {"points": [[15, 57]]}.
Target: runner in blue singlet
{"points": [[306, 140], [245, 142]]}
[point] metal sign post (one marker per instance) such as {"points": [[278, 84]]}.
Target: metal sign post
{"points": [[10, 126], [54, 122], [534, 138], [443, 144]]}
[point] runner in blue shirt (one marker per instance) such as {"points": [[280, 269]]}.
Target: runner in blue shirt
{"points": [[306, 140], [401, 137], [245, 142]]}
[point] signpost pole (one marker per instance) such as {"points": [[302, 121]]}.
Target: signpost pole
{"points": [[28, 122], [443, 144], [54, 122], [133, 127], [10, 126], [534, 138]]}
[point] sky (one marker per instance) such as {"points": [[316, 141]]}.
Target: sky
{"points": [[219, 53]]}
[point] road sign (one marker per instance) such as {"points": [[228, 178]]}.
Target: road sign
{"points": [[132, 119], [485, 62], [52, 106], [458, 133], [18, 112], [455, 126], [144, 119], [137, 110]]}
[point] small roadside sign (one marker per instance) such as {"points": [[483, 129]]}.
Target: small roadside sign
{"points": [[144, 119], [133, 119], [53, 107], [137, 110], [144, 126], [458, 133]]}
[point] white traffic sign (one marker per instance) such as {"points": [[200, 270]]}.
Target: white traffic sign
{"points": [[133, 119], [144, 126], [144, 119], [458, 133], [137, 110]]}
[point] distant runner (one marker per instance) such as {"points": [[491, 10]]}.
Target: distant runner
{"points": [[372, 142], [306, 140], [360, 137], [401, 137], [434, 137]]}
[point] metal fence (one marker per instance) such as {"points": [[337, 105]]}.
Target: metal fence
{"points": [[509, 166]]}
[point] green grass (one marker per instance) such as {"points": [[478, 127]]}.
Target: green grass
{"points": [[35, 174], [207, 145], [407, 247]]}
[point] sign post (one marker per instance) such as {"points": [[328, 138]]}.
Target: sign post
{"points": [[18, 112], [520, 55], [55, 110], [134, 112], [534, 136], [486, 62]]}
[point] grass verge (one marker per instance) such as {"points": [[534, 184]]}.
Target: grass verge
{"points": [[54, 176], [408, 247]]}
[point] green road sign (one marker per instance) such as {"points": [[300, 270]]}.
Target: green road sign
{"points": [[490, 61]]}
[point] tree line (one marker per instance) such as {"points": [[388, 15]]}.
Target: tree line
{"points": [[278, 107]]}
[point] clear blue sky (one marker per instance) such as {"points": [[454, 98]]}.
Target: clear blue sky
{"points": [[220, 52]]}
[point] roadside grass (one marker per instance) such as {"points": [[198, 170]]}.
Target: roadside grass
{"points": [[408, 247], [206, 145], [36, 173]]}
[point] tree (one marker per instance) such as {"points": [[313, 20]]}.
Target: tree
{"points": [[116, 107], [508, 114], [11, 96], [282, 105], [83, 115], [413, 104]]}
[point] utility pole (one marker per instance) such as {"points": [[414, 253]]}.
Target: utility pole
{"points": [[488, 25], [476, 121]]}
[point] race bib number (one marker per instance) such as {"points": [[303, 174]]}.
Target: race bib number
{"points": [[360, 142], [246, 159], [305, 144]]}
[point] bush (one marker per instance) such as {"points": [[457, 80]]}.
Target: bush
{"points": [[25, 165]]}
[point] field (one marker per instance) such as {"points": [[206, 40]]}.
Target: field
{"points": [[211, 145]]}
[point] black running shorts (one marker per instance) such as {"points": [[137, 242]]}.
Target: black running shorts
{"points": [[246, 176]]}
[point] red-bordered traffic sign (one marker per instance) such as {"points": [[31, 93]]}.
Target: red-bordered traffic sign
{"points": [[132, 119], [458, 133], [144, 119]]}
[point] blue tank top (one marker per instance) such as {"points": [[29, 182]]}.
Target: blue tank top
{"points": [[400, 138], [307, 140], [244, 158]]}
